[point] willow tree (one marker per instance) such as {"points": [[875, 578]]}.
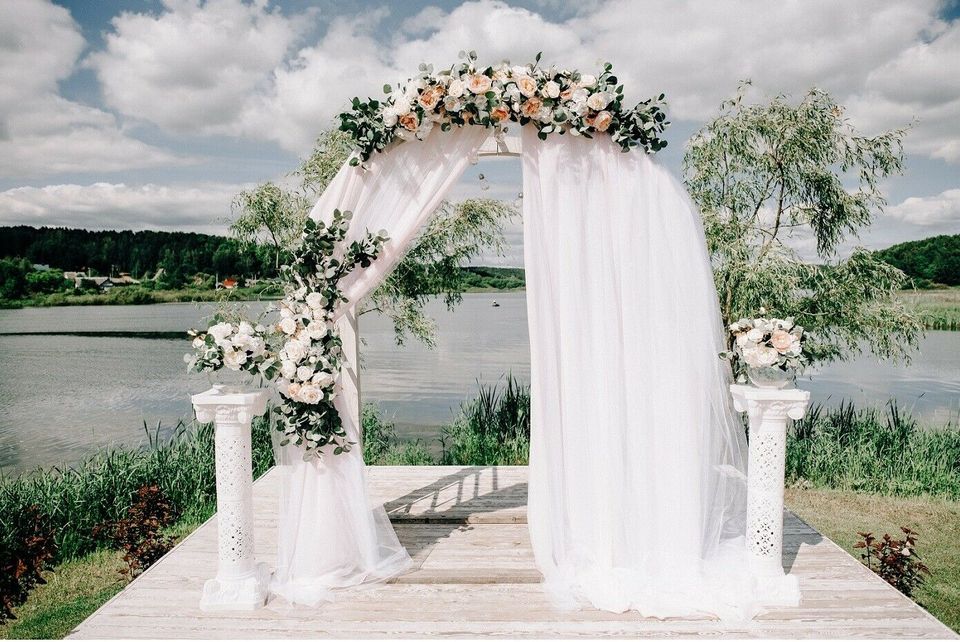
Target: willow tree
{"points": [[772, 178], [273, 215]]}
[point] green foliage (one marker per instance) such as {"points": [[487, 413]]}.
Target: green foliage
{"points": [[934, 260], [765, 175], [872, 451], [495, 278], [492, 429]]}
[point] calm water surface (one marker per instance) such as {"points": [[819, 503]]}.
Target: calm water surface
{"points": [[63, 396]]}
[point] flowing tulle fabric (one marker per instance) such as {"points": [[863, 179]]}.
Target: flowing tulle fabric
{"points": [[330, 534], [638, 462]]}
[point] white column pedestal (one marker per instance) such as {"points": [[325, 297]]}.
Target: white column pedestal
{"points": [[768, 411], [241, 584]]}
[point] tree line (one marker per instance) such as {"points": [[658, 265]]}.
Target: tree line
{"points": [[934, 260], [180, 255]]}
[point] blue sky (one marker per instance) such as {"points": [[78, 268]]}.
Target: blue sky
{"points": [[152, 114]]}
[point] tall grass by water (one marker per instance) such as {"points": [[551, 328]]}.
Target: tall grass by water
{"points": [[939, 309], [101, 488]]}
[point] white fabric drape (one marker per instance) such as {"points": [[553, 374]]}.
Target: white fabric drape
{"points": [[638, 462], [329, 535]]}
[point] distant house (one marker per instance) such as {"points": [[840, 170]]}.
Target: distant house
{"points": [[102, 283], [124, 279], [41, 267], [228, 284], [73, 276]]}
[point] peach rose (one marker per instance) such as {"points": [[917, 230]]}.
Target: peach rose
{"points": [[430, 97], [781, 340], [479, 84], [602, 121], [531, 107], [567, 94], [526, 85], [410, 122], [498, 113]]}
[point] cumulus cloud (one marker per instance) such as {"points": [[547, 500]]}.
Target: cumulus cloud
{"points": [[193, 67], [203, 207], [40, 131], [929, 210], [892, 63]]}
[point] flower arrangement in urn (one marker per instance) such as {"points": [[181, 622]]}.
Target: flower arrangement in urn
{"points": [[769, 349]]}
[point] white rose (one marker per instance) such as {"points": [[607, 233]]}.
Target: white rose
{"points": [[198, 343], [285, 312], [598, 100], [310, 394], [551, 89], [755, 335], [455, 88], [245, 328], [323, 379], [288, 369], [257, 346], [304, 373], [233, 359], [587, 80], [288, 325], [389, 116], [751, 356], [316, 330], [767, 356], [295, 351], [316, 300], [579, 96], [220, 332], [452, 104], [742, 340]]}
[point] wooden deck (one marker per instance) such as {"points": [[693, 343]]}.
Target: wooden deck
{"points": [[466, 528]]}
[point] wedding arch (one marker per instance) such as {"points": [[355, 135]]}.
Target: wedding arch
{"points": [[637, 491]]}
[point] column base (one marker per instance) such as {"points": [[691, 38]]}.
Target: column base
{"points": [[247, 594]]}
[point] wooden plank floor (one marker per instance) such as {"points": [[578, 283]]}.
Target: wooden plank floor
{"points": [[475, 576]]}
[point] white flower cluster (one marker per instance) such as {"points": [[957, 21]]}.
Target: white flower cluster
{"points": [[235, 346], [555, 100], [771, 343], [308, 366]]}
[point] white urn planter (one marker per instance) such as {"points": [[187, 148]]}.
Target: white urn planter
{"points": [[241, 583], [768, 410]]}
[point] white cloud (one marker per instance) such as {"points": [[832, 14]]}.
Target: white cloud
{"points": [[40, 131], [891, 62], [942, 208], [202, 207], [193, 67]]}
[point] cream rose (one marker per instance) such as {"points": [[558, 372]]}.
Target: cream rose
{"points": [[410, 122], [288, 369], [479, 84], [551, 89], [602, 121], [310, 394], [323, 379], [526, 85], [287, 325], [598, 100], [293, 390], [304, 373], [755, 335], [586, 80], [455, 88], [316, 300], [531, 107], [233, 359], [220, 332]]}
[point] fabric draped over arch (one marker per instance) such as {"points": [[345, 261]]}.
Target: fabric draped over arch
{"points": [[637, 494]]}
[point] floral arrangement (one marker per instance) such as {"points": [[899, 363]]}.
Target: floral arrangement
{"points": [[302, 351], [768, 343], [554, 100]]}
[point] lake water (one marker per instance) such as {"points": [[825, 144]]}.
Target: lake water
{"points": [[64, 396]]}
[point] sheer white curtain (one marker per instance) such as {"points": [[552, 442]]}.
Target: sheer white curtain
{"points": [[329, 534], [638, 463]]}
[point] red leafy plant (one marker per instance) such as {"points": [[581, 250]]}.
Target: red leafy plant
{"points": [[26, 550], [895, 560], [139, 534]]}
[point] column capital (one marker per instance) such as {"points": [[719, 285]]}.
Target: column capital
{"points": [[769, 403], [220, 405]]}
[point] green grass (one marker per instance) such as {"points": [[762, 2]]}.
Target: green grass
{"points": [[839, 514], [876, 451], [939, 309]]}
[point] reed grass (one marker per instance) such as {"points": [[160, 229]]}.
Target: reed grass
{"points": [[938, 309], [100, 488]]}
